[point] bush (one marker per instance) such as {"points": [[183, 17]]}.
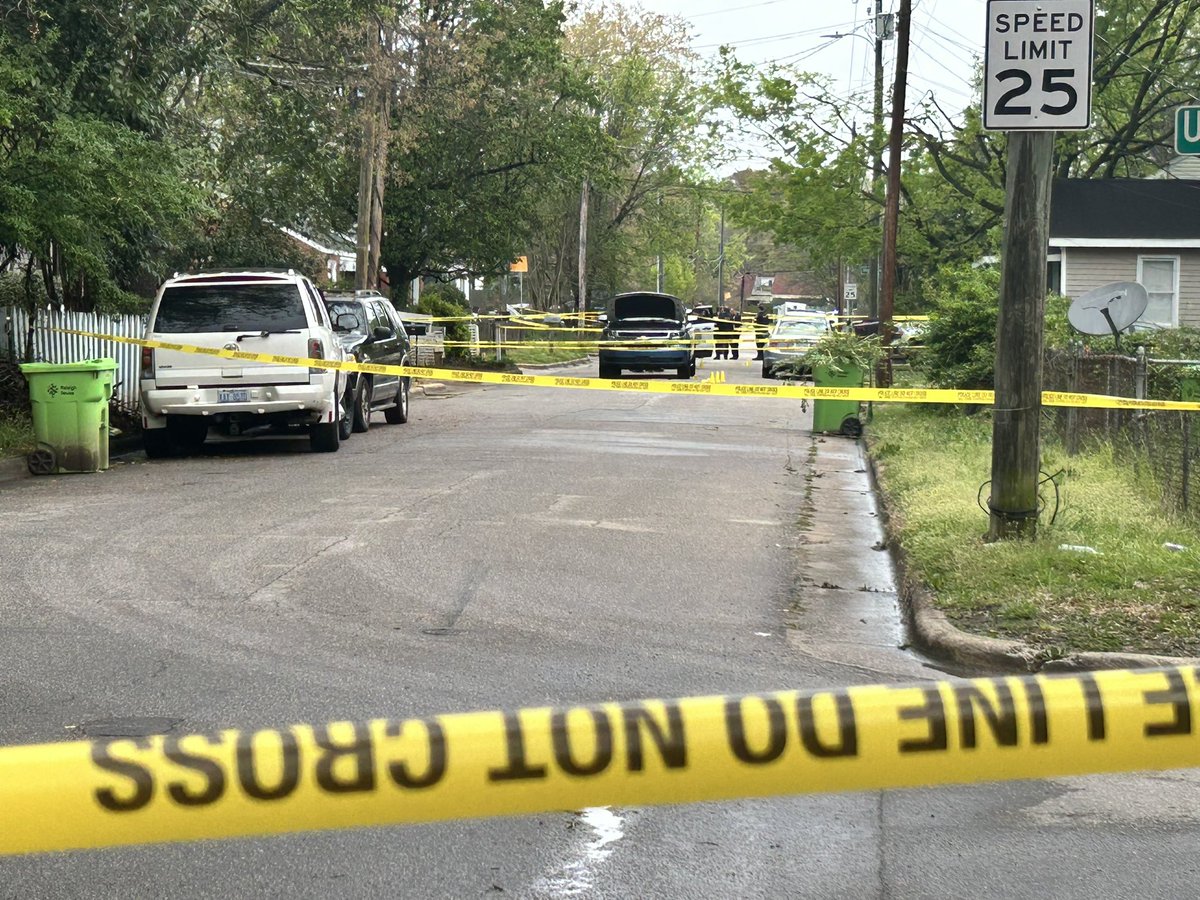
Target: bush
{"points": [[960, 340], [837, 349], [446, 301]]}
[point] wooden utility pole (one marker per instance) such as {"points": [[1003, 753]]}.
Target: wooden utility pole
{"points": [[377, 92], [891, 213], [721, 263], [660, 266], [1016, 423], [581, 302], [379, 179], [877, 147], [366, 190]]}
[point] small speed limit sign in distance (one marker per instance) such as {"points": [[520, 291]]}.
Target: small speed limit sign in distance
{"points": [[1038, 65]]}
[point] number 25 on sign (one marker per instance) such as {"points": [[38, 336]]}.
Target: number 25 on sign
{"points": [[1038, 65]]}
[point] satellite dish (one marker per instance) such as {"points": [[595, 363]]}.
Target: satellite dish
{"points": [[1109, 309]]}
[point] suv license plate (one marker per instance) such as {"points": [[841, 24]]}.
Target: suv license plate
{"points": [[233, 396]]}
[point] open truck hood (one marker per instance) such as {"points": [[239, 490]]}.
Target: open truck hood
{"points": [[646, 305]]}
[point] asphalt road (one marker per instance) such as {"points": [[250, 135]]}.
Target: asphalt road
{"points": [[514, 547]]}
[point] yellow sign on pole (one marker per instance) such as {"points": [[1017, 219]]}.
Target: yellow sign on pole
{"points": [[521, 265]]}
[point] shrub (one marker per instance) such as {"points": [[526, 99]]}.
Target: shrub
{"points": [[960, 339], [837, 349], [446, 301]]}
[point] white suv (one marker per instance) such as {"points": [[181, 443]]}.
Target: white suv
{"points": [[257, 311]]}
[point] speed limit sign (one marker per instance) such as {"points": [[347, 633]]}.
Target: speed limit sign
{"points": [[1038, 65]]}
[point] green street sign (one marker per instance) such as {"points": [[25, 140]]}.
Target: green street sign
{"points": [[1187, 131]]}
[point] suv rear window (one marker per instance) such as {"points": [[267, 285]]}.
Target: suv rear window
{"points": [[197, 309]]}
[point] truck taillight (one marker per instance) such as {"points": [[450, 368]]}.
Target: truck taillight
{"points": [[316, 350], [147, 362]]}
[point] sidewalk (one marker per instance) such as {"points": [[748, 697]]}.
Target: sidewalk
{"points": [[846, 604]]}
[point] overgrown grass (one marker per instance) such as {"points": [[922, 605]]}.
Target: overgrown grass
{"points": [[16, 434], [1132, 594], [530, 355]]}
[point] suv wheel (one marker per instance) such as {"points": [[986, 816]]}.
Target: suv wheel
{"points": [[157, 443], [345, 414], [607, 371], [325, 437], [398, 414], [687, 371], [362, 405]]}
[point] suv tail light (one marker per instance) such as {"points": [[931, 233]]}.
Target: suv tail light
{"points": [[147, 362], [316, 350]]}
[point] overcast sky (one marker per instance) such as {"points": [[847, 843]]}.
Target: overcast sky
{"points": [[947, 35]]}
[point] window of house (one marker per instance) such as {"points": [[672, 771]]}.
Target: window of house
{"points": [[1054, 273], [1159, 275]]}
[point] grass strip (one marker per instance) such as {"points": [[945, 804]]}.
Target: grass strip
{"points": [[16, 434], [1131, 594], [542, 355]]}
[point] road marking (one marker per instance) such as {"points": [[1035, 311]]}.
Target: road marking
{"points": [[577, 877]]}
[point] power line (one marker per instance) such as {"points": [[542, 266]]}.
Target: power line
{"points": [[769, 38], [729, 9]]}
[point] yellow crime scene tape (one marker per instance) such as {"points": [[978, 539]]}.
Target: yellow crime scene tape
{"points": [[780, 391], [234, 783]]}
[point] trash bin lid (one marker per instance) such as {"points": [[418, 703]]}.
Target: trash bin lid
{"points": [[100, 364]]}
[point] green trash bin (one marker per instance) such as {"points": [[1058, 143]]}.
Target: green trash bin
{"points": [[70, 414], [840, 416]]}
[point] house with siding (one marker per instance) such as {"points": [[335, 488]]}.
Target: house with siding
{"points": [[1129, 229]]}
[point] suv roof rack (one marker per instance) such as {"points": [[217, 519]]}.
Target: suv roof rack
{"points": [[233, 270]]}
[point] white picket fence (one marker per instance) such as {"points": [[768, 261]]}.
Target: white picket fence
{"points": [[51, 345]]}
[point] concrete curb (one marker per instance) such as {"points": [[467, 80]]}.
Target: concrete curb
{"points": [[14, 468], [935, 635]]}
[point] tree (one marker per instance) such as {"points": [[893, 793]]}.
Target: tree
{"points": [[131, 139], [87, 192], [487, 133], [641, 144], [1147, 62], [816, 194]]}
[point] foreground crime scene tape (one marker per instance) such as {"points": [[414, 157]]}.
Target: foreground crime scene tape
{"points": [[781, 391], [471, 765]]}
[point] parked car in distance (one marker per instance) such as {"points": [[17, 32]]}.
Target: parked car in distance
{"points": [[658, 320], [273, 311], [790, 339], [704, 328], [370, 330]]}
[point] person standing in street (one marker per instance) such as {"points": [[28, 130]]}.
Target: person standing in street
{"points": [[726, 334], [762, 326]]}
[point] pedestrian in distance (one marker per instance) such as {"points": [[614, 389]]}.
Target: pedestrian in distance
{"points": [[726, 334], [762, 326]]}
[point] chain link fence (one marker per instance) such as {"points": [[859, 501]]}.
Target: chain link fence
{"points": [[1162, 443]]}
